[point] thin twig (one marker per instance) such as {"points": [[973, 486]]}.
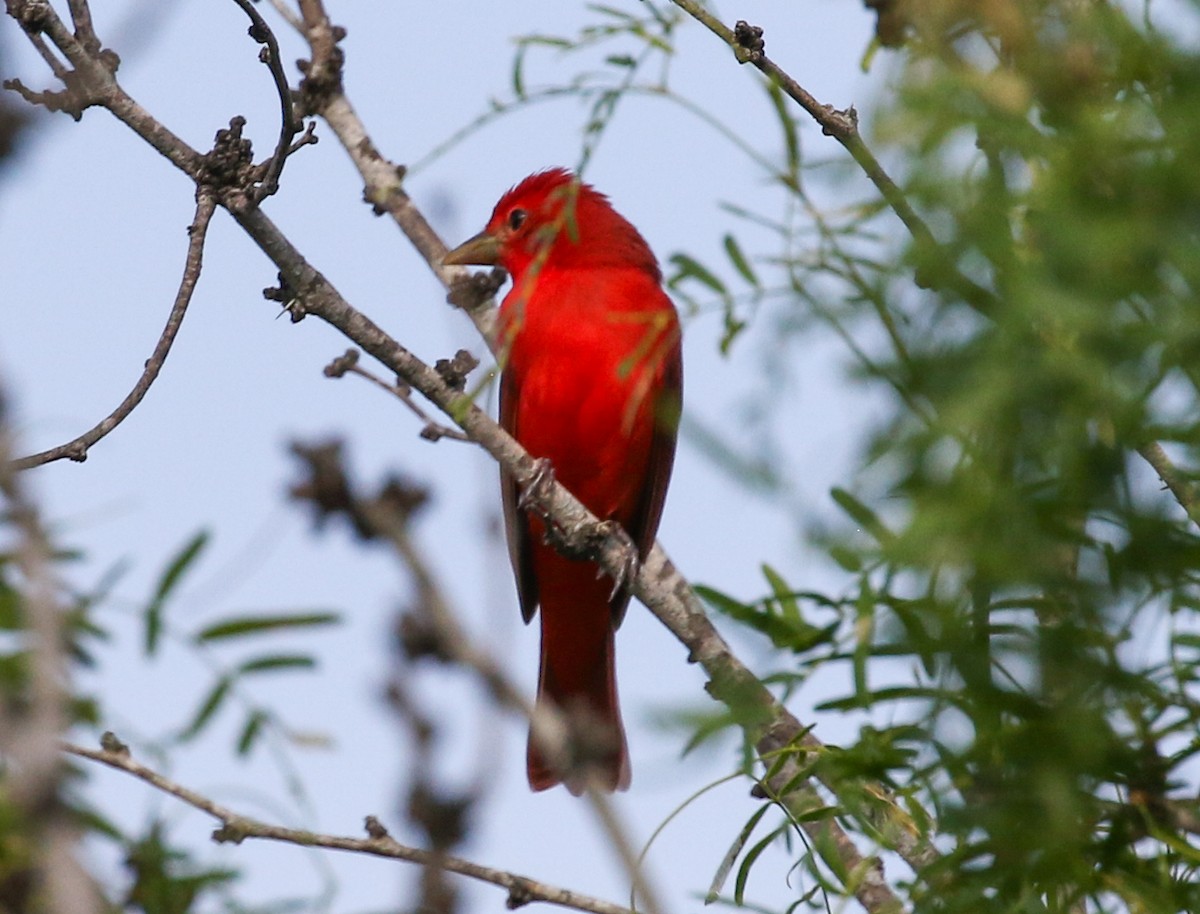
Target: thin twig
{"points": [[236, 827], [747, 44], [1172, 478], [81, 18], [433, 431], [77, 448], [289, 125]]}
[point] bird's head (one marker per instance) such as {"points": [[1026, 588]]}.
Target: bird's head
{"points": [[552, 219]]}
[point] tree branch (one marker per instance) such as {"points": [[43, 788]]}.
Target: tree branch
{"points": [[236, 828], [77, 448], [34, 717], [383, 180], [1172, 478], [290, 125], [433, 628], [934, 267], [347, 363]]}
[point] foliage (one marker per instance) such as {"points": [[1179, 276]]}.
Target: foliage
{"points": [[1007, 542]]}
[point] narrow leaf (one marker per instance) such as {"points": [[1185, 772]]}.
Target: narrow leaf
{"points": [[787, 123], [735, 849], [861, 514], [175, 570], [208, 708], [739, 885], [738, 258], [250, 732], [688, 267], [237, 626], [276, 662]]}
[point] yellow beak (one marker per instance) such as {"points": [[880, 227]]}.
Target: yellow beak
{"points": [[483, 249]]}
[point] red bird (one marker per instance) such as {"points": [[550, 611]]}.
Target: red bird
{"points": [[591, 381]]}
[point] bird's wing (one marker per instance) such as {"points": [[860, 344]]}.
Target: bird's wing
{"points": [[643, 523], [516, 524]]}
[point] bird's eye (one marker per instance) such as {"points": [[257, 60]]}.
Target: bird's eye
{"points": [[516, 219]]}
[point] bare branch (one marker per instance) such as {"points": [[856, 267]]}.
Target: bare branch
{"points": [[347, 363], [77, 448], [382, 179], [290, 124], [236, 828], [1172, 478]]}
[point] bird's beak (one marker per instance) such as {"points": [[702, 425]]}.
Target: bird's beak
{"points": [[483, 249]]}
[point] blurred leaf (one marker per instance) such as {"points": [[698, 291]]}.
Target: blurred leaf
{"points": [[687, 267], [782, 106], [170, 578], [792, 634], [167, 880], [250, 732], [208, 708], [738, 258], [277, 662], [754, 473], [238, 626], [861, 514]]}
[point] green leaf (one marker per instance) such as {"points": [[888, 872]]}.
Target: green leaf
{"points": [[783, 592], [847, 559], [276, 662], [791, 137], [250, 732], [174, 572], [687, 267], [862, 515], [208, 708], [612, 11], [621, 60], [792, 634], [735, 849], [236, 626], [731, 330], [739, 885], [738, 258]]}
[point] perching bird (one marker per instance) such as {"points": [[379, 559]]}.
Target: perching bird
{"points": [[591, 381]]}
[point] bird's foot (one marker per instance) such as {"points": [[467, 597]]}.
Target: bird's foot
{"points": [[535, 490], [628, 569]]}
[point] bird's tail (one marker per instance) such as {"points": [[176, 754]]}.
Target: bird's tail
{"points": [[577, 677]]}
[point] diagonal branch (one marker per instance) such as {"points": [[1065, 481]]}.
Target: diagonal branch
{"points": [[77, 448], [935, 269], [383, 180], [236, 828], [1183, 490]]}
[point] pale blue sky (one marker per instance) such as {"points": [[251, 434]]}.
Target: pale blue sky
{"points": [[91, 246]]}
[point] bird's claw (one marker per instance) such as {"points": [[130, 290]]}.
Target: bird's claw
{"points": [[535, 489], [628, 570]]}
